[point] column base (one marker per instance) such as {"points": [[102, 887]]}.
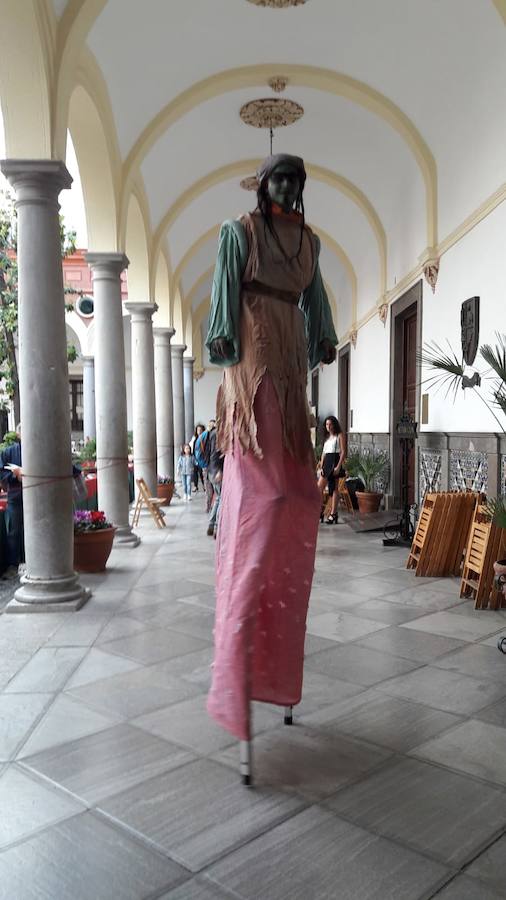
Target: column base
{"points": [[38, 595], [125, 538]]}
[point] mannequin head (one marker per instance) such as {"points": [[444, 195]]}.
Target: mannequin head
{"points": [[284, 186]]}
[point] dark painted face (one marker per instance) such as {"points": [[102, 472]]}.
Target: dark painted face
{"points": [[283, 186]]}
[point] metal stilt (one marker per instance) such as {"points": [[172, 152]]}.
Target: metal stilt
{"points": [[245, 762], [288, 715]]}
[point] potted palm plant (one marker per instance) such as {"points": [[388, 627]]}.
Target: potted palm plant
{"points": [[93, 537], [372, 467]]}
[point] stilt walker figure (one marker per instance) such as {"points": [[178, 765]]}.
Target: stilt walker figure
{"points": [[269, 312]]}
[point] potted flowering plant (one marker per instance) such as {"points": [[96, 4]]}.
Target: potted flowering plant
{"points": [[93, 537], [165, 489]]}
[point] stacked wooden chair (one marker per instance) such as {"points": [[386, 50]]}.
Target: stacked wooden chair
{"points": [[484, 547], [152, 504], [442, 533], [344, 499]]}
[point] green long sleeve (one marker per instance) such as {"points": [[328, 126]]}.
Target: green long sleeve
{"points": [[319, 325], [226, 291]]}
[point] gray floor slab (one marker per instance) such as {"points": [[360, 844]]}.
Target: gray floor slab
{"points": [[474, 747], [211, 812], [490, 866], [198, 889], [316, 855], [98, 665], [464, 888], [495, 714], [311, 762], [411, 645], [27, 805], [390, 722], [47, 671], [434, 811], [135, 693], [476, 660], [387, 611], [66, 720], [445, 690], [85, 858], [118, 627], [18, 715], [154, 645], [341, 626], [11, 662], [358, 664], [103, 764], [463, 628], [81, 630]]}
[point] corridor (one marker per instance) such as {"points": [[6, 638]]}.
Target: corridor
{"points": [[115, 784]]}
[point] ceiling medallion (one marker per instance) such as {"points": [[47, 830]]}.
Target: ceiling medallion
{"points": [[277, 4], [271, 112], [278, 83], [250, 183]]}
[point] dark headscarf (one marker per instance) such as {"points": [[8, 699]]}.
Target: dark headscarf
{"points": [[266, 168]]}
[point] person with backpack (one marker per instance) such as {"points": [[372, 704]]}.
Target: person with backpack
{"points": [[202, 453], [198, 473]]}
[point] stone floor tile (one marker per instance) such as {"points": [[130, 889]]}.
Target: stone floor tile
{"points": [[314, 644], [319, 690], [490, 866], [180, 617], [409, 644], [194, 668], [445, 690], [188, 724], [306, 760], [473, 747], [467, 608], [211, 812], [433, 811], [27, 805], [341, 627], [103, 764], [155, 645], [477, 660], [118, 627], [198, 889], [464, 888], [387, 611], [204, 600], [358, 664], [462, 628], [163, 587], [82, 630], [11, 662], [316, 855], [98, 665], [495, 714], [66, 720], [135, 693], [18, 714], [427, 597], [390, 722], [28, 631], [85, 858], [47, 671]]}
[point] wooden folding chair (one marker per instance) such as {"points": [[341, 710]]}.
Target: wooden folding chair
{"points": [[344, 499], [151, 503], [482, 551]]}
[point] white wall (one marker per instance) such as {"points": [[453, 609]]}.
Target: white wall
{"points": [[327, 400], [476, 266], [369, 378], [205, 390]]}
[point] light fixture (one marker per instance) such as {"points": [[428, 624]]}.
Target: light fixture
{"points": [[277, 4]]}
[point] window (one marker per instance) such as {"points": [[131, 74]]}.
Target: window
{"points": [[76, 404]]}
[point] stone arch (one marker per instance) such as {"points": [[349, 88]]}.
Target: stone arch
{"points": [[308, 76], [162, 292], [188, 333], [137, 250], [177, 317]]}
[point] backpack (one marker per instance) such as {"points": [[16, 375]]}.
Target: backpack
{"points": [[202, 450]]}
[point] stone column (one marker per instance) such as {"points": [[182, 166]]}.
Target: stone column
{"points": [[177, 351], [189, 414], [143, 393], [49, 582], [89, 426], [163, 402], [110, 394]]}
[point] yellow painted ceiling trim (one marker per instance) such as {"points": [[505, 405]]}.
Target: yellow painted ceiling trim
{"points": [[306, 76], [338, 251], [192, 251], [73, 30], [500, 6], [188, 299], [233, 170]]}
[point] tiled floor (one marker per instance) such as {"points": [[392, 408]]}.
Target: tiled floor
{"points": [[115, 785]]}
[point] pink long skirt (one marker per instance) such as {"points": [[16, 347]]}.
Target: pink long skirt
{"points": [[264, 569]]}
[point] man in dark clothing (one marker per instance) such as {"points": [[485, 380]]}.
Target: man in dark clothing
{"points": [[214, 475], [11, 474]]}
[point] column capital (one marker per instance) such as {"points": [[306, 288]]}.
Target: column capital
{"points": [[163, 335], [36, 178], [139, 311], [178, 349], [88, 360], [188, 360], [107, 263]]}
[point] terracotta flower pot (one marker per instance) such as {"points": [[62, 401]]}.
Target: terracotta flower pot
{"points": [[165, 492], [92, 549], [369, 501], [500, 567]]}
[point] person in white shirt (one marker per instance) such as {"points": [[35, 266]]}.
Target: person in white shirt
{"points": [[331, 464]]}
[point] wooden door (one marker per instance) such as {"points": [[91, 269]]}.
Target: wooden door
{"points": [[344, 390], [409, 330]]}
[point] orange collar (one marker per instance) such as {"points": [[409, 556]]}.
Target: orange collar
{"points": [[293, 215]]}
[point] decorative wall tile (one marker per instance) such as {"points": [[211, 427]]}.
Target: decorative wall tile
{"points": [[468, 470], [503, 474], [429, 471]]}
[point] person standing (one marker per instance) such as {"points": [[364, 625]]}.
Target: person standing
{"points": [[185, 468], [215, 477], [331, 464], [269, 311], [198, 473], [11, 474]]}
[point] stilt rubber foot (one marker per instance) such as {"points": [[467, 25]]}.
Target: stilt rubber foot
{"points": [[246, 780]]}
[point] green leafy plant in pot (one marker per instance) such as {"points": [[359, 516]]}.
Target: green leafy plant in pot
{"points": [[372, 467]]}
